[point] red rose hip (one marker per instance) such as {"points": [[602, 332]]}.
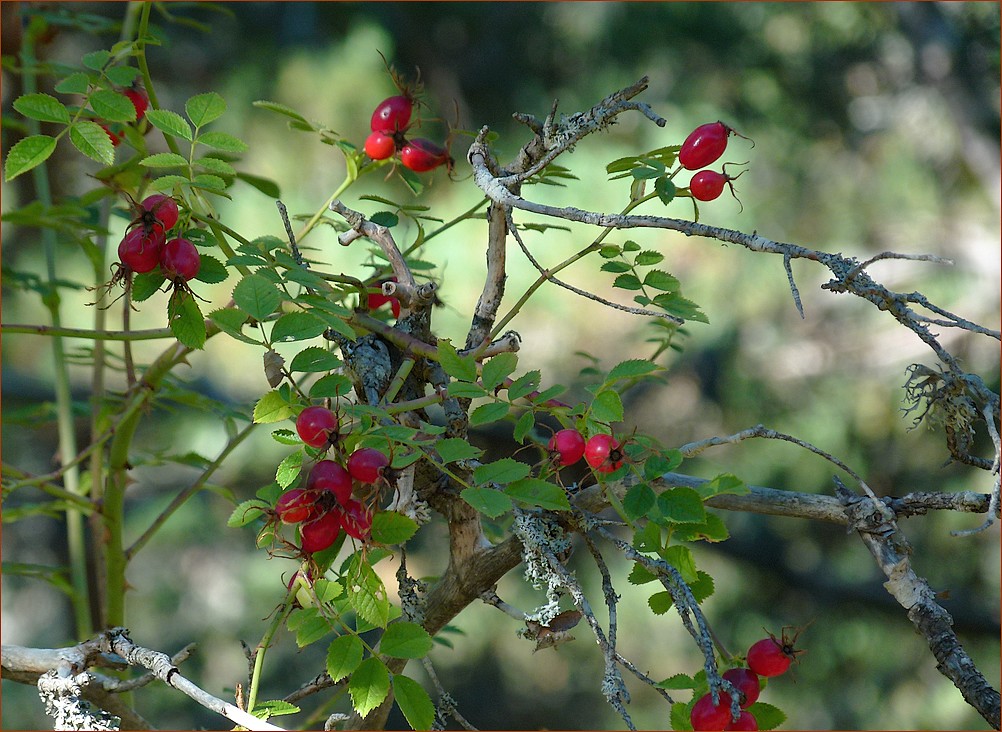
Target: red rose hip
{"points": [[140, 251], [704, 145], [602, 453], [179, 260], [709, 717], [746, 681], [421, 155], [746, 721], [327, 475], [568, 445], [139, 100], [321, 532], [356, 520], [392, 114], [294, 506], [379, 146], [161, 208], [317, 426], [366, 464], [768, 657]]}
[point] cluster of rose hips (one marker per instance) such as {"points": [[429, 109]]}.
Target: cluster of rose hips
{"points": [[703, 146], [390, 122], [146, 247], [139, 99], [325, 506], [767, 657], [600, 451]]}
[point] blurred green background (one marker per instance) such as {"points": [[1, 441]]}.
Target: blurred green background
{"points": [[876, 127]]}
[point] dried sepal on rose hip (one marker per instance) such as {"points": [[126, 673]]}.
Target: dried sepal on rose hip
{"points": [[772, 656], [602, 453]]}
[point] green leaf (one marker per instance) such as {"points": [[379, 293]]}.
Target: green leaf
{"points": [[75, 83], [167, 183], [703, 587], [665, 188], [538, 492], [344, 654], [280, 109], [500, 471], [660, 602], [723, 483], [256, 296], [674, 303], [230, 321], [246, 512], [112, 106], [523, 427], [332, 385], [297, 326], [163, 160], [767, 715], [204, 108], [524, 385], [631, 369], [682, 505], [367, 594], [678, 682], [679, 717], [310, 626], [627, 282], [122, 75], [660, 463], [616, 267], [289, 469], [146, 284], [185, 319], [169, 122], [638, 500], [216, 167], [271, 408], [404, 639], [607, 407], [43, 107], [712, 529], [96, 59], [29, 153], [313, 359], [647, 538], [452, 449], [273, 708], [466, 390], [659, 280], [211, 270], [222, 141], [390, 527], [210, 182], [486, 413], [487, 501], [266, 186], [414, 702], [640, 575], [681, 558], [385, 218], [369, 685], [463, 369], [496, 369], [92, 141], [609, 251]]}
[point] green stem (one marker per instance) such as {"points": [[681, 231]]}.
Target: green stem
{"points": [[144, 69], [76, 542], [262, 647], [315, 219], [94, 335]]}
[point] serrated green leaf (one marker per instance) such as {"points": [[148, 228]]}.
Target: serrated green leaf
{"points": [[169, 122], [112, 106], [723, 483], [466, 390], [682, 559], [385, 218], [75, 83], [163, 160], [211, 270], [280, 109], [369, 685], [256, 296], [90, 139], [222, 141], [463, 369], [367, 594], [677, 682], [210, 182], [660, 280], [27, 154], [627, 282], [631, 369], [216, 166], [607, 407], [500, 471], [712, 529], [297, 326], [640, 575], [638, 500], [313, 359], [185, 319], [524, 385], [452, 449], [96, 59], [390, 527], [682, 505], [497, 368], [405, 639], [43, 107], [538, 492], [332, 385], [767, 715], [609, 251], [146, 284], [660, 463], [647, 538], [246, 512], [674, 303], [267, 186], [414, 702], [665, 188], [289, 469], [344, 654], [679, 717], [311, 628], [204, 108], [487, 413], [167, 183], [230, 321], [122, 75], [273, 708], [648, 258], [487, 501], [523, 427], [660, 602], [271, 408], [616, 267]]}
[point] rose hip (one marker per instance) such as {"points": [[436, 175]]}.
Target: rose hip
{"points": [[392, 114], [140, 250], [568, 446], [421, 155], [602, 453], [327, 475], [366, 464], [316, 426], [321, 532], [379, 146], [180, 260]]}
